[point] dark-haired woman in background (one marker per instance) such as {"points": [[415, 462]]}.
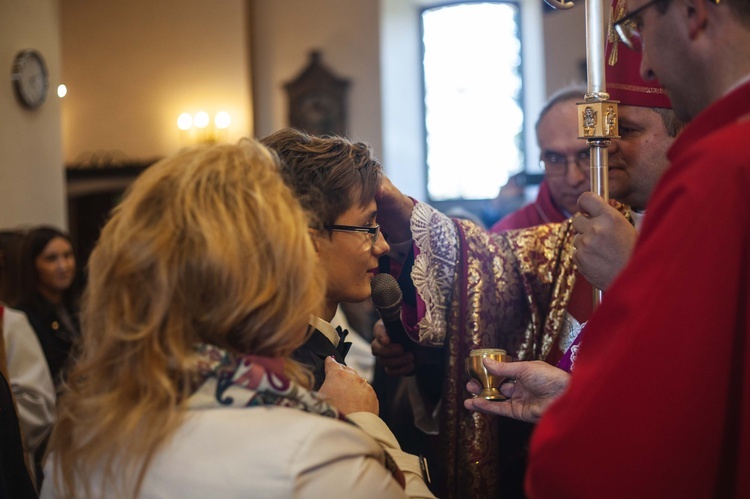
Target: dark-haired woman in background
{"points": [[48, 296]]}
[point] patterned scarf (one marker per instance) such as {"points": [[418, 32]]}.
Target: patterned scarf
{"points": [[251, 381]]}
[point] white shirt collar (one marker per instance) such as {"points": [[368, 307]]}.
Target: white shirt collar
{"points": [[326, 328], [638, 217]]}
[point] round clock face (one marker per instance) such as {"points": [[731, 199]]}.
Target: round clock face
{"points": [[30, 79]]}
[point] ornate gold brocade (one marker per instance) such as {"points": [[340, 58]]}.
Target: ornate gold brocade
{"points": [[509, 291]]}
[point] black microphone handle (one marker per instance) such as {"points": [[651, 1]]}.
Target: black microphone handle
{"points": [[397, 333]]}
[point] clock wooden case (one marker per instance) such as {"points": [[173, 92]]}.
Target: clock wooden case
{"points": [[317, 100]]}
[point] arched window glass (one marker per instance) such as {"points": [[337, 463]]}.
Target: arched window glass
{"points": [[474, 116]]}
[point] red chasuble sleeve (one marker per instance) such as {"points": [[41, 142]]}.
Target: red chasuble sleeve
{"points": [[659, 401]]}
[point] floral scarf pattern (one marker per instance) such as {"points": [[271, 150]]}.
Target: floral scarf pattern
{"points": [[252, 381]]}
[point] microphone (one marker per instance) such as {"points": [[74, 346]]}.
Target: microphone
{"points": [[387, 298]]}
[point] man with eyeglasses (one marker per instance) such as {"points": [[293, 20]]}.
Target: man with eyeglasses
{"points": [[565, 160]]}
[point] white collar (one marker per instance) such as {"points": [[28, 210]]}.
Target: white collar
{"points": [[638, 217], [326, 328]]}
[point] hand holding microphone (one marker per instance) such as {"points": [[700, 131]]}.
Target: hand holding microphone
{"points": [[387, 298], [391, 345]]}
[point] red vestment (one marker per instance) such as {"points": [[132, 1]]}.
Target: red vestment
{"points": [[541, 211], [659, 402]]}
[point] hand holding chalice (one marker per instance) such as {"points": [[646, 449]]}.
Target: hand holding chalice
{"points": [[476, 370]]}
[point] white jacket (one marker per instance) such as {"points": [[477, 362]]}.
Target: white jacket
{"points": [[29, 378], [273, 452]]}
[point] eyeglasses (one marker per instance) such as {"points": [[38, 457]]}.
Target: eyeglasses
{"points": [[373, 231], [557, 164], [629, 27]]}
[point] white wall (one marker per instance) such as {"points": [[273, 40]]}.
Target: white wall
{"points": [[31, 165], [133, 67], [565, 46], [403, 104], [346, 32]]}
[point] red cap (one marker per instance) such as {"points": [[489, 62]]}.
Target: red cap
{"points": [[622, 70]]}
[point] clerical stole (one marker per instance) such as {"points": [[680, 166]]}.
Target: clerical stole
{"points": [[507, 290]]}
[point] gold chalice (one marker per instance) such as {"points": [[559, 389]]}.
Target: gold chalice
{"points": [[476, 371]]}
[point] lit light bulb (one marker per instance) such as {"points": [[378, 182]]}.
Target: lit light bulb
{"points": [[222, 120], [201, 119], [62, 90], [185, 121]]}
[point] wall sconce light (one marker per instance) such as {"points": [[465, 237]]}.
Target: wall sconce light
{"points": [[199, 128]]}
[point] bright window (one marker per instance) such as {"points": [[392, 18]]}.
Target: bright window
{"points": [[473, 92]]}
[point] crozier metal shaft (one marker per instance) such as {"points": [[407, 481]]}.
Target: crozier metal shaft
{"points": [[597, 115]]}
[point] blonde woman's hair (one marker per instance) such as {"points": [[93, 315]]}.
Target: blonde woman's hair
{"points": [[207, 246]]}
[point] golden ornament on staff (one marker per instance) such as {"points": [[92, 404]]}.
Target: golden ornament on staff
{"points": [[597, 115]]}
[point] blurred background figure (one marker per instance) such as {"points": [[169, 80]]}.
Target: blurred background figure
{"points": [[512, 197], [28, 377], [25, 371], [48, 296]]}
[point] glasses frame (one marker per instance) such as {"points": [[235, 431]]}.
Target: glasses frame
{"points": [[374, 231], [568, 159], [627, 29]]}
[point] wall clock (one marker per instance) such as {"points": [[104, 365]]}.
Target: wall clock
{"points": [[30, 78]]}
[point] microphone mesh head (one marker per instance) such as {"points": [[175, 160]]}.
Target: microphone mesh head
{"points": [[386, 296]]}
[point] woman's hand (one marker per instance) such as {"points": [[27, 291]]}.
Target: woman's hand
{"points": [[348, 391]]}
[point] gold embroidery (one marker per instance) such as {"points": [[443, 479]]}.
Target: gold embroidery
{"points": [[638, 88], [610, 122], [510, 291], [615, 14], [589, 121]]}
